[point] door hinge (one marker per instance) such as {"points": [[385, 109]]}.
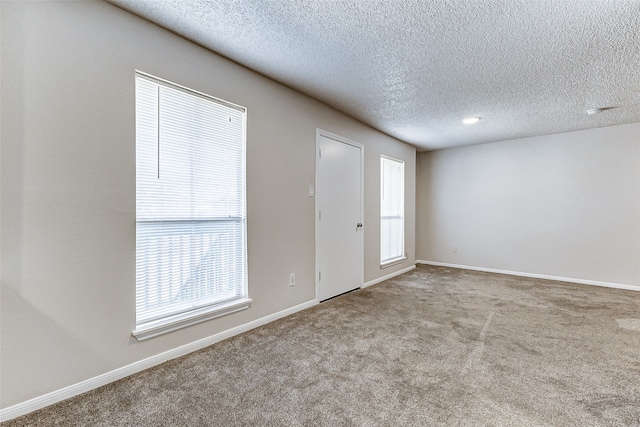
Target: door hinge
{"points": [[319, 215], [319, 153], [319, 276]]}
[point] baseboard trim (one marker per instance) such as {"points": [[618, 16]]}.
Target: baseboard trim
{"points": [[534, 275], [125, 371], [388, 276]]}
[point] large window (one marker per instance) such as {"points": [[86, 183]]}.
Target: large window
{"points": [[190, 207], [391, 211]]}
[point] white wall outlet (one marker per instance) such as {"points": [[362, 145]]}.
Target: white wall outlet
{"points": [[454, 249], [292, 279]]}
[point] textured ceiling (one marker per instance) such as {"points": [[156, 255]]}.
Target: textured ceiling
{"points": [[414, 68]]}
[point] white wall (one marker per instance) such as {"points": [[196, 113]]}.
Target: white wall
{"points": [[565, 205], [68, 189]]}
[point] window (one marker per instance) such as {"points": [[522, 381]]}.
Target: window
{"points": [[391, 211], [191, 262]]}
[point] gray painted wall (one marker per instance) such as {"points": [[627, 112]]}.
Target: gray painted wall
{"points": [[565, 205], [68, 189]]}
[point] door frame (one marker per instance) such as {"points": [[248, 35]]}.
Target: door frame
{"points": [[318, 197]]}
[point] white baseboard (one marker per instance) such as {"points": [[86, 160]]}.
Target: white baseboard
{"points": [[535, 275], [106, 378], [388, 276]]}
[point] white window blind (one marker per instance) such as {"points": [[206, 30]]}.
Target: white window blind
{"points": [[190, 205], [391, 210]]}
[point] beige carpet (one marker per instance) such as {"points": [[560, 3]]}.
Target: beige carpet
{"points": [[436, 346]]}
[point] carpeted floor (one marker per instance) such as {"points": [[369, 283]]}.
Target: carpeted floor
{"points": [[435, 346]]}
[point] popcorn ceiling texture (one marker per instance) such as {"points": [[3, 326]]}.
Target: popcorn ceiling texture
{"points": [[414, 69]]}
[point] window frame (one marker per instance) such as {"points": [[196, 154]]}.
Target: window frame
{"points": [[172, 321], [384, 263]]}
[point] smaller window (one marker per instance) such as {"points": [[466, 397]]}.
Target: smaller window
{"points": [[391, 211]]}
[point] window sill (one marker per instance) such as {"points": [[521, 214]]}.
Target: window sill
{"points": [[393, 262], [158, 327]]}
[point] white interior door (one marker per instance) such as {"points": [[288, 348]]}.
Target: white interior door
{"points": [[339, 242]]}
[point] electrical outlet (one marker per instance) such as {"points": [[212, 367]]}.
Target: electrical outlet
{"points": [[454, 249], [292, 279]]}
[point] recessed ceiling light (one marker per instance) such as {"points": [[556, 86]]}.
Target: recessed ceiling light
{"points": [[470, 120]]}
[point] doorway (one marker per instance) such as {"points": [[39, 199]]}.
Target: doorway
{"points": [[339, 213]]}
